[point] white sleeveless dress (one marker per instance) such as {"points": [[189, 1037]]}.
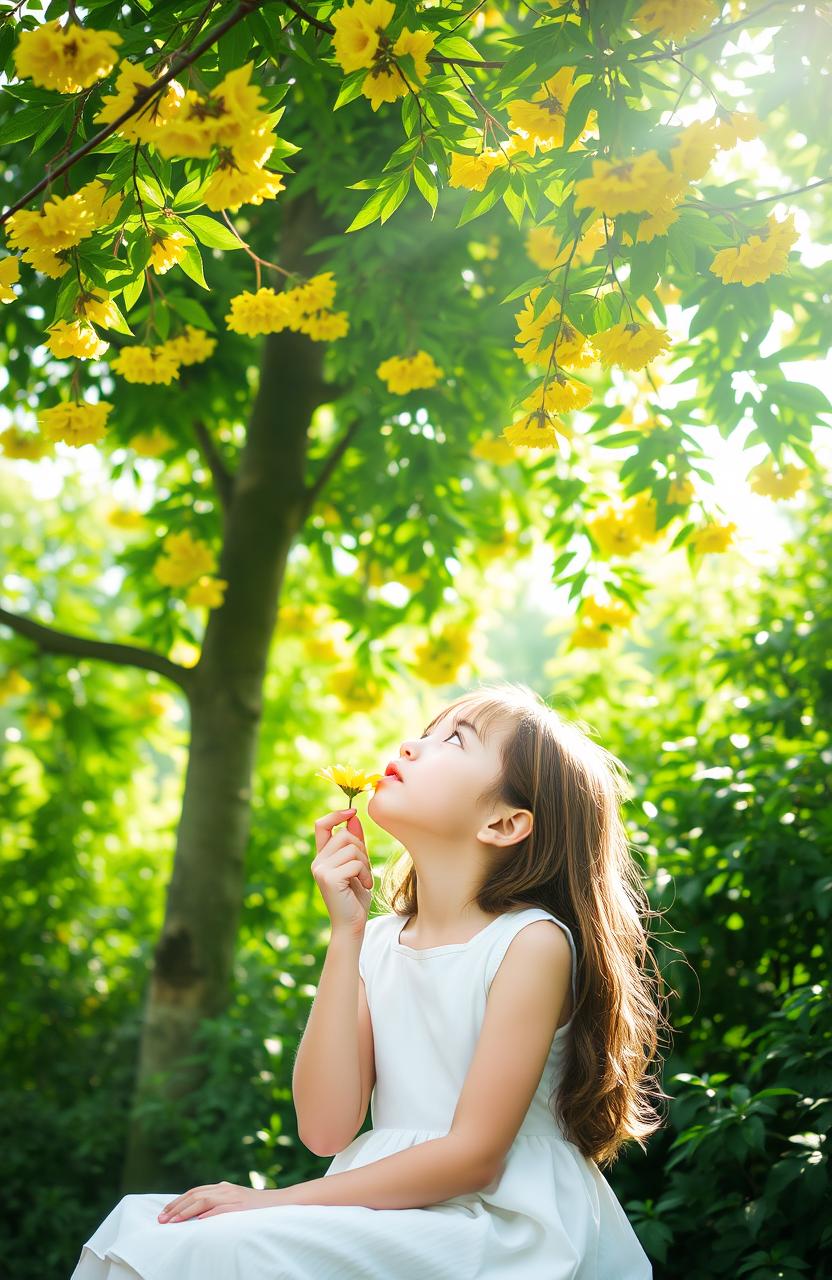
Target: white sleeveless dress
{"points": [[550, 1215]]}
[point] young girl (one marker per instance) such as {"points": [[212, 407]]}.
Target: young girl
{"points": [[504, 1029]]}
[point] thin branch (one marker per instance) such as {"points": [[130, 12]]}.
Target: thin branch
{"points": [[312, 492], [223, 478], [50, 640], [178, 65]]}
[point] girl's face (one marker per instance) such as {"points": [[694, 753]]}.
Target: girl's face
{"points": [[443, 774]]}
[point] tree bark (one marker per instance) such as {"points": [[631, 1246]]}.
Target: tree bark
{"points": [[266, 506]]}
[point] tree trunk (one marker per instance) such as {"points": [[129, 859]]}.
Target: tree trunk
{"points": [[194, 955]]}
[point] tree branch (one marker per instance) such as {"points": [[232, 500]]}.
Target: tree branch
{"points": [[312, 491], [50, 640], [223, 479], [244, 8]]}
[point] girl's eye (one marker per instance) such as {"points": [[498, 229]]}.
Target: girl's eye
{"points": [[455, 734]]}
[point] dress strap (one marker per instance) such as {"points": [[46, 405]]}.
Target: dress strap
{"points": [[513, 922]]}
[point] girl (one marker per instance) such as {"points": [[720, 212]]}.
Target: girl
{"points": [[504, 1030]]}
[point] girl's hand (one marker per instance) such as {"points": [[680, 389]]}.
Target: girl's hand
{"points": [[342, 871], [216, 1197]]}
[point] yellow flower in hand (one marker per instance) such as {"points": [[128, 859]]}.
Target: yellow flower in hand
{"points": [[349, 779]]}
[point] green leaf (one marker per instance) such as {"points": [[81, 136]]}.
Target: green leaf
{"points": [[132, 292], [457, 47], [370, 210], [480, 201], [191, 311], [396, 196], [350, 88], [211, 233], [191, 264], [425, 180]]}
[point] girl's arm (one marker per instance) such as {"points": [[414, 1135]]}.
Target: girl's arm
{"points": [[326, 1080]]}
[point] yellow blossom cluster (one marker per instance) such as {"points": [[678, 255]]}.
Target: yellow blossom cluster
{"points": [[167, 250], [714, 536], [674, 19], [542, 246], [438, 659], [680, 491], [189, 562], [630, 345], [596, 620], [62, 222], [126, 518], [75, 422], [493, 449], [573, 350], [75, 338], [542, 118], [13, 684], [619, 529], [229, 118], [151, 444], [762, 254], [355, 690], [361, 40], [302, 309], [409, 373], [540, 425], [15, 443], [65, 58], [770, 482], [98, 308], [161, 363], [9, 275]]}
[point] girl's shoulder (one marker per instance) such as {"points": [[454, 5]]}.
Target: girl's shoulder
{"points": [[510, 925]]}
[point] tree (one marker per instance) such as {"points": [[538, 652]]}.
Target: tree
{"points": [[385, 426]]}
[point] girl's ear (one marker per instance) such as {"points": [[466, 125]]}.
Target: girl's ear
{"points": [[512, 827]]}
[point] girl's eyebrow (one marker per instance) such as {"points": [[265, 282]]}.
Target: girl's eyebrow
{"points": [[459, 724]]}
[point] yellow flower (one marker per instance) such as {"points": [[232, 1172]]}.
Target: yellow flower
{"points": [[325, 326], [439, 658], [493, 449], [9, 275], [713, 536], [67, 59], [613, 613], [125, 518], [561, 395], [409, 373], [585, 636], [543, 118], [62, 222], [13, 684], [656, 224], [51, 264], [765, 479], [473, 171], [642, 514], [673, 19], [357, 28], [573, 349], [542, 246], [103, 209], [208, 591], [254, 313], [75, 338], [355, 690], [75, 423], [152, 118], [167, 251], [317, 292], [147, 364], [185, 559], [351, 780], [731, 126], [537, 430], [192, 347], [228, 188], [631, 346], [22, 444], [626, 186], [761, 255], [98, 308], [150, 444], [681, 491], [613, 530]]}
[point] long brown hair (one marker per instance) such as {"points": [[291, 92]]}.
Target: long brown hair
{"points": [[575, 862]]}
